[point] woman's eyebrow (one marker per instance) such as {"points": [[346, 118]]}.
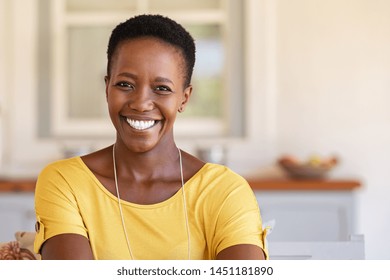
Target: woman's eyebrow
{"points": [[163, 80], [128, 75], [158, 79]]}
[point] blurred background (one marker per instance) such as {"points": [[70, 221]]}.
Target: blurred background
{"points": [[273, 78]]}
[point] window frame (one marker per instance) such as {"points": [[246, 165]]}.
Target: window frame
{"points": [[230, 124]]}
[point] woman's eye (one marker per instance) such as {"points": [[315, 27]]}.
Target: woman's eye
{"points": [[124, 85], [163, 89]]}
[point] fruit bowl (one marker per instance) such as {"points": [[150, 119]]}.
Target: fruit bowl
{"points": [[312, 168]]}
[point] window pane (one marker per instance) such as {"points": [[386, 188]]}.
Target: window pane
{"points": [[86, 71], [206, 99]]}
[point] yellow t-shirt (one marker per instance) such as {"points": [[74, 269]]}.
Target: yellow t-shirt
{"points": [[222, 211]]}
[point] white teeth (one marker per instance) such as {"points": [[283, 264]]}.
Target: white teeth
{"points": [[140, 125]]}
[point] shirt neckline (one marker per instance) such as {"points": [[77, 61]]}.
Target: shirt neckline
{"points": [[171, 199]]}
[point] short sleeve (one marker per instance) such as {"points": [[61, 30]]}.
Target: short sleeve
{"points": [[239, 220], [56, 207]]}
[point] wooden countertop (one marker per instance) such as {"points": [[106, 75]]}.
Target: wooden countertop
{"points": [[286, 184], [263, 184], [17, 185]]}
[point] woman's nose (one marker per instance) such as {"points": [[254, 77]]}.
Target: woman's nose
{"points": [[141, 100]]}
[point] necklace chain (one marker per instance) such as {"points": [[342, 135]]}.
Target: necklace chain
{"points": [[184, 205]]}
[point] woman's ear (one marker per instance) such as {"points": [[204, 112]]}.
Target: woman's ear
{"points": [[186, 97], [106, 81]]}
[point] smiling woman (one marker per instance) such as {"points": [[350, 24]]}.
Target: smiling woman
{"points": [[143, 197]]}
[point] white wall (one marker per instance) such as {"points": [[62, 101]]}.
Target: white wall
{"points": [[321, 85], [333, 96], [3, 87]]}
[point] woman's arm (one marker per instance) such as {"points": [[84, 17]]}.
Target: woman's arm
{"points": [[67, 247], [61, 233], [241, 252], [238, 233]]}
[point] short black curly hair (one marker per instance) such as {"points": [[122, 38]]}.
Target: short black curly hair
{"points": [[157, 26]]}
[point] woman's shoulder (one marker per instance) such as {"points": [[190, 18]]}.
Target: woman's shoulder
{"points": [[63, 172], [215, 184], [75, 165], [218, 172], [59, 175], [63, 165], [217, 180]]}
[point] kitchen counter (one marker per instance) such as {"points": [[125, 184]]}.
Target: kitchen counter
{"points": [[17, 185], [257, 184], [287, 184]]}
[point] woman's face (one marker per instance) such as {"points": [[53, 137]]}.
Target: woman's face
{"points": [[145, 90]]}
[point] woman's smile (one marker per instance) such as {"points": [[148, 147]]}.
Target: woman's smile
{"points": [[141, 124]]}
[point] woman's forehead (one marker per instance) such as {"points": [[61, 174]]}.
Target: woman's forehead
{"points": [[148, 50]]}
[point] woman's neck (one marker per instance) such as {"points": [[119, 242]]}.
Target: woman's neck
{"points": [[160, 162]]}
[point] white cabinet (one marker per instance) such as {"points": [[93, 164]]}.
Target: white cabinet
{"points": [[16, 214], [308, 216]]}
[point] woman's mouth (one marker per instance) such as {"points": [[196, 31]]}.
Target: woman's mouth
{"points": [[141, 124]]}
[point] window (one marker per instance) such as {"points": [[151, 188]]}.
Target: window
{"points": [[78, 42]]}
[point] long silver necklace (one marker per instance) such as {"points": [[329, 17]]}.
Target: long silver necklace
{"points": [[184, 205]]}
